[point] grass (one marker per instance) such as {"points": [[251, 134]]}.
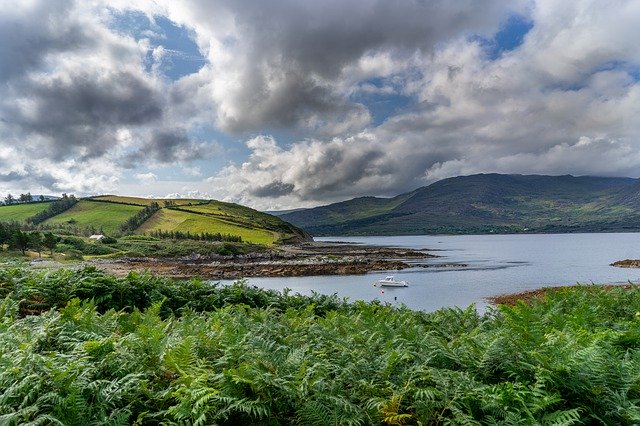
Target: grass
{"points": [[237, 213], [176, 220], [21, 212], [105, 216], [146, 201]]}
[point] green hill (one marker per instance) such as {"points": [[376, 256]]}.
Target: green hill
{"points": [[110, 212], [21, 212], [103, 217], [486, 203]]}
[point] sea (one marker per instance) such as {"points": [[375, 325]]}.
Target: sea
{"points": [[477, 267]]}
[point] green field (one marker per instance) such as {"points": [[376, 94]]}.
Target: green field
{"points": [[146, 201], [108, 213], [237, 213], [175, 220], [106, 216], [21, 212]]}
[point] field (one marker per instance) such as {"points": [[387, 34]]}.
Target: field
{"points": [[81, 347], [107, 217], [146, 201], [21, 212], [175, 220]]}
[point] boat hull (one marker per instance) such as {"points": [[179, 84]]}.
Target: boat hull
{"points": [[397, 284]]}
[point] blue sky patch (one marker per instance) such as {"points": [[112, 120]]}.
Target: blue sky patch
{"points": [[381, 104], [182, 56], [510, 36]]}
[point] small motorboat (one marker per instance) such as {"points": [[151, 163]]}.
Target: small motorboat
{"points": [[390, 281]]}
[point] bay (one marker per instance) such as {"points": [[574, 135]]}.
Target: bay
{"points": [[495, 264]]}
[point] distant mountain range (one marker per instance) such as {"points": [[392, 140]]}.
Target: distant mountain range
{"points": [[485, 203]]}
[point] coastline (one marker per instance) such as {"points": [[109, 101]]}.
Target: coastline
{"points": [[306, 259], [627, 263], [511, 299]]}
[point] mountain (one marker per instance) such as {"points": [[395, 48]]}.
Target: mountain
{"points": [[108, 214], [485, 203]]}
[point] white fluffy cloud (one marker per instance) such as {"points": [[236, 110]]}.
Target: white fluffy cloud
{"points": [[565, 101], [74, 90]]}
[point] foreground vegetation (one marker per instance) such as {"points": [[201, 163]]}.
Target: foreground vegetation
{"points": [[80, 347]]}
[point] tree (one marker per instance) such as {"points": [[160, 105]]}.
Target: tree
{"points": [[50, 241], [41, 197], [5, 234], [26, 198], [35, 242], [20, 240], [9, 199]]}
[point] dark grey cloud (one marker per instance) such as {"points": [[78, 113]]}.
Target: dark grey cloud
{"points": [[73, 89], [80, 112], [30, 31], [288, 63], [168, 146], [273, 190]]}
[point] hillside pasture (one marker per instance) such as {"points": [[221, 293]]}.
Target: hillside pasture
{"points": [[176, 220], [238, 214], [106, 216], [146, 201], [21, 212]]}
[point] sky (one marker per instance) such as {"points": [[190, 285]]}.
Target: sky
{"points": [[296, 103]]}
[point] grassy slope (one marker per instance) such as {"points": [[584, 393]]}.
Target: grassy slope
{"points": [[21, 212], [487, 203], [106, 216], [175, 220], [195, 216], [145, 201], [246, 217]]}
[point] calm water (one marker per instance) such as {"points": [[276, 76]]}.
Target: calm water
{"points": [[496, 264]]}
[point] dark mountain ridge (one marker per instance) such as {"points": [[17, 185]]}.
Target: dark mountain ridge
{"points": [[486, 203]]}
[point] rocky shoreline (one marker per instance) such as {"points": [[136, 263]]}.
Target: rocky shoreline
{"points": [[627, 263], [306, 259], [539, 294]]}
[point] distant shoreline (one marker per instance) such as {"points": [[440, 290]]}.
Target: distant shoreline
{"points": [[307, 259]]}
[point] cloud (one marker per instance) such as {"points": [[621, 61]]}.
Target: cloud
{"points": [[290, 64], [77, 112], [73, 90], [169, 146], [146, 177], [82, 103], [574, 112], [190, 194]]}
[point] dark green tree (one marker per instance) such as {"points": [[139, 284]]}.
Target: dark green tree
{"points": [[35, 242], [9, 199], [20, 240], [50, 241]]}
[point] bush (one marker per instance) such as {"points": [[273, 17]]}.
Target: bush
{"points": [[227, 249], [73, 254], [108, 240], [73, 242]]}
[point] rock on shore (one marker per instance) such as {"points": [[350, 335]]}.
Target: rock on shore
{"points": [[627, 263]]}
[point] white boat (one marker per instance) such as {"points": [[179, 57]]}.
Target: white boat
{"points": [[390, 281]]}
